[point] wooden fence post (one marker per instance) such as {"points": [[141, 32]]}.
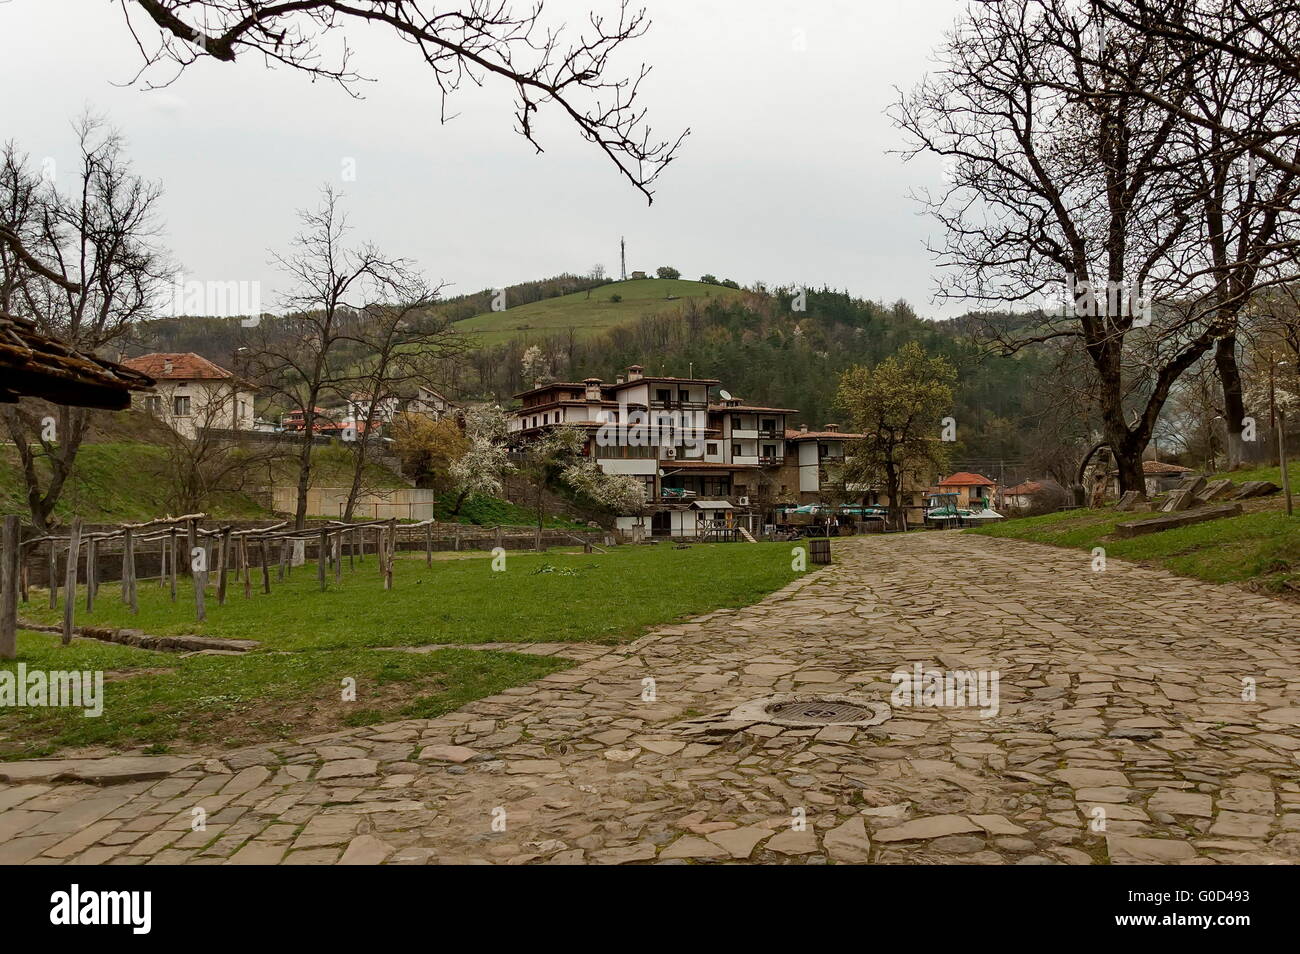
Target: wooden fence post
{"points": [[52, 573], [70, 590], [92, 572], [322, 558], [428, 545], [128, 570], [390, 552], [172, 564], [10, 544], [243, 566], [223, 561], [199, 578], [266, 570], [191, 541], [337, 552]]}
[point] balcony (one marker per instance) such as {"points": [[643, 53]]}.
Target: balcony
{"points": [[672, 405], [771, 461]]}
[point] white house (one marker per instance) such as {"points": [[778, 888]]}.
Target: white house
{"points": [[193, 393]]}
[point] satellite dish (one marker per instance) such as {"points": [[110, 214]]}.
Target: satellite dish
{"points": [[724, 394]]}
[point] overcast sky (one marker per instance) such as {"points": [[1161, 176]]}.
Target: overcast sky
{"points": [[785, 178]]}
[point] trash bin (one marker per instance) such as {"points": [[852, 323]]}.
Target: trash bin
{"points": [[819, 550]]}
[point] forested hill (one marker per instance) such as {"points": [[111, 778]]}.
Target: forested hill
{"points": [[764, 351], [755, 342]]}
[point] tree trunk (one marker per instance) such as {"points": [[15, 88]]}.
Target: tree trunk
{"points": [[1129, 463], [1234, 404], [894, 488]]}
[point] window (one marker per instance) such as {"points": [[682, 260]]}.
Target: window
{"points": [[154, 403], [769, 423], [711, 450], [769, 450], [181, 405], [663, 395], [735, 422], [735, 450]]}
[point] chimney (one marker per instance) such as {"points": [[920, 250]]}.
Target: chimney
{"points": [[592, 386], [832, 427], [167, 365], [803, 428], [620, 378], [634, 372]]}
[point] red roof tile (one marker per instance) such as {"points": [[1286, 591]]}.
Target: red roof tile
{"points": [[965, 479], [185, 365]]}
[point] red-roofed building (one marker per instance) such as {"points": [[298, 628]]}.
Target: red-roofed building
{"points": [[193, 392], [974, 491]]}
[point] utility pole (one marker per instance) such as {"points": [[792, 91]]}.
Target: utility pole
{"points": [[622, 259]]}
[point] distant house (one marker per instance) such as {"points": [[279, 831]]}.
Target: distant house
{"points": [[1033, 495], [1021, 496], [638, 274], [974, 491], [1158, 476], [193, 393], [814, 461], [424, 401], [295, 422]]}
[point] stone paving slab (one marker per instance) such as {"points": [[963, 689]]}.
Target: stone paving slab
{"points": [[1142, 718]]}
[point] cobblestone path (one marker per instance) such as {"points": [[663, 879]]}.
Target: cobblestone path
{"points": [[1141, 718]]}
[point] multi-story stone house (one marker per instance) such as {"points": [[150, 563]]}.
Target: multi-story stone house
{"points": [[192, 393], [705, 461]]}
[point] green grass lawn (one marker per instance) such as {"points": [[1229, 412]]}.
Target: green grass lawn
{"points": [[1262, 546], [604, 598], [311, 640], [590, 314], [1266, 472], [163, 701], [111, 483]]}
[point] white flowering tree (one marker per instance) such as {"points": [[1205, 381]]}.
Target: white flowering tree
{"points": [[618, 493], [483, 466]]}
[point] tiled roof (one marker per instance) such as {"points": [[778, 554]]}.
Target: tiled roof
{"points": [[1028, 487], [183, 365], [1160, 467], [965, 479], [37, 365], [750, 408], [797, 435]]}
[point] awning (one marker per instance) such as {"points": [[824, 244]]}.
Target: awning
{"points": [[712, 505]]}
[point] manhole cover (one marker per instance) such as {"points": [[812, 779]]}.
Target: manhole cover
{"points": [[820, 712], [807, 709]]}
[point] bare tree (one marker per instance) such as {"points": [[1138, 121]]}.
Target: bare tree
{"points": [[484, 39], [399, 345], [83, 262], [195, 469], [1062, 178], [1261, 36], [302, 357], [1227, 94]]}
